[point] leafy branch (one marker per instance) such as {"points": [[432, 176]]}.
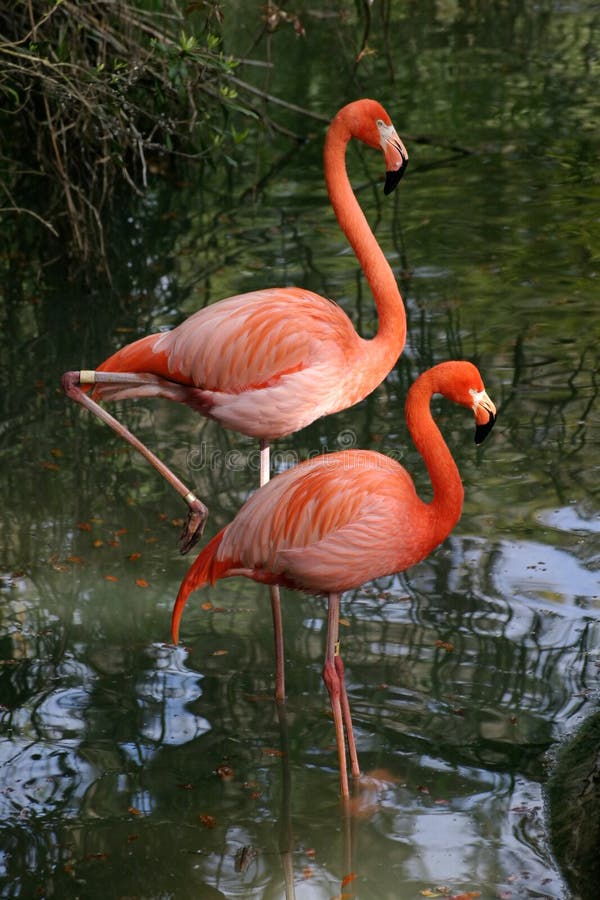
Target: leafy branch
{"points": [[93, 92]]}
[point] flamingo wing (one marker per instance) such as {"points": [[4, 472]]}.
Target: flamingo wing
{"points": [[326, 525], [252, 340]]}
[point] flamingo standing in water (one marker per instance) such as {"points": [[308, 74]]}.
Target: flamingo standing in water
{"points": [[270, 362], [336, 521]]}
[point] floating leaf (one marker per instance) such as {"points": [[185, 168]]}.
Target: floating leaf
{"points": [[207, 821], [133, 810], [120, 531], [134, 556], [98, 543], [444, 645], [219, 653], [50, 466], [75, 559], [141, 582], [110, 578], [348, 879], [224, 772], [345, 622], [208, 605], [56, 452]]}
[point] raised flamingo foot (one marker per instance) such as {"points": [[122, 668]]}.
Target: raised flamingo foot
{"points": [[194, 525]]}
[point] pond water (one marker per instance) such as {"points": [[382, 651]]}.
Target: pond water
{"points": [[132, 768]]}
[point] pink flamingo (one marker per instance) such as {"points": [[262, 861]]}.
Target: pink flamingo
{"points": [[336, 521], [269, 362]]}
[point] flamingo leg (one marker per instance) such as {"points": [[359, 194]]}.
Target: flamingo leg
{"points": [[332, 682], [265, 474], [71, 384], [347, 716]]}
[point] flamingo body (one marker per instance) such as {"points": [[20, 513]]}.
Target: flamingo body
{"points": [[265, 364], [318, 531]]}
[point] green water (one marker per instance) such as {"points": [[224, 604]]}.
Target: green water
{"points": [[464, 673]]}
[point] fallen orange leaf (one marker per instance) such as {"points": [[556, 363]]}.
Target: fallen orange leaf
{"points": [[84, 526], [134, 556], [110, 578], [75, 559], [133, 810], [141, 582], [207, 605], [207, 821], [347, 879], [97, 543]]}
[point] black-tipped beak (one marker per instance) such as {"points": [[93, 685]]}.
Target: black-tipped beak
{"points": [[482, 431], [392, 178]]}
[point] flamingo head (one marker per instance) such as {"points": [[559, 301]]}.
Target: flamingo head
{"points": [[369, 122], [461, 382], [485, 413]]}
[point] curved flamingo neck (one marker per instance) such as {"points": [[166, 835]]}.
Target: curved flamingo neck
{"points": [[391, 334], [448, 492]]}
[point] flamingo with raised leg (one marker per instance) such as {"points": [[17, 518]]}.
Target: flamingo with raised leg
{"points": [[336, 521], [270, 362]]}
